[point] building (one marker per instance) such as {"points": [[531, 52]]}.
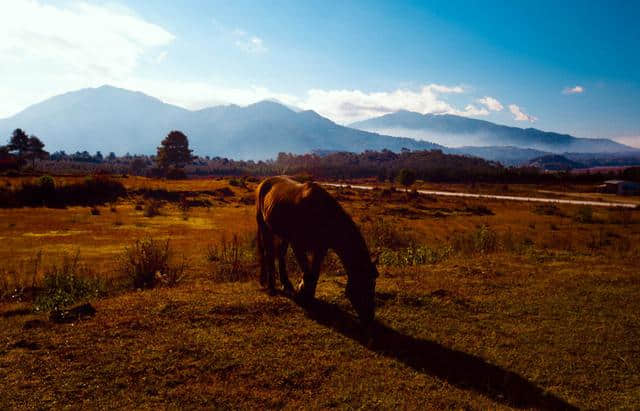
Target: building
{"points": [[620, 187]]}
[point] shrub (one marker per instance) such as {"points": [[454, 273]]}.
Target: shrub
{"points": [[67, 284], [406, 177], [17, 282], [381, 234], [584, 214], [233, 260], [414, 254], [236, 182], [94, 190], [483, 240], [147, 263], [152, 208], [547, 209]]}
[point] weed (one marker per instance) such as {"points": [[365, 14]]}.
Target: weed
{"points": [[147, 263], [152, 208], [483, 240], [232, 260], [67, 284], [584, 214]]}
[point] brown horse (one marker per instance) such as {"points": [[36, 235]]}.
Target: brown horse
{"points": [[309, 219]]}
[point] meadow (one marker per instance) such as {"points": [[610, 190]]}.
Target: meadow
{"points": [[481, 304]]}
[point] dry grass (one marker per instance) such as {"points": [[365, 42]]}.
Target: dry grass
{"points": [[526, 307]]}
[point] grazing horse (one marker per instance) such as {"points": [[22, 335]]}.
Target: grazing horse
{"points": [[309, 219]]}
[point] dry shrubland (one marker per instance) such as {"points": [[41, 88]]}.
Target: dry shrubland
{"points": [[481, 304]]}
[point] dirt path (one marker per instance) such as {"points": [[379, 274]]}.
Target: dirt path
{"points": [[500, 197]]}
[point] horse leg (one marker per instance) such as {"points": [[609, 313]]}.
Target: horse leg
{"points": [[270, 260], [307, 289], [303, 262], [281, 251]]}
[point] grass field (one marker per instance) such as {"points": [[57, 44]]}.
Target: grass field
{"points": [[481, 304]]}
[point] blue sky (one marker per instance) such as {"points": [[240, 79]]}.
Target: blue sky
{"points": [[563, 66]]}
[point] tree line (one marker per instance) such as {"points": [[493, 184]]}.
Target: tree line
{"points": [[174, 159]]}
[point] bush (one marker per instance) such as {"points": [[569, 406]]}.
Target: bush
{"points": [[233, 260], [414, 254], [237, 182], [67, 284], [152, 208], [406, 177], [483, 241], [381, 234], [147, 263], [94, 190], [584, 214]]}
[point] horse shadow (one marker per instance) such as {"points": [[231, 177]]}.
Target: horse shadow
{"points": [[463, 370]]}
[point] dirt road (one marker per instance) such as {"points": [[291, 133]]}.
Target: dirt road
{"points": [[501, 197]]}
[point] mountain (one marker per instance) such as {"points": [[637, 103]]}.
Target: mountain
{"points": [[555, 162], [451, 130], [113, 119]]}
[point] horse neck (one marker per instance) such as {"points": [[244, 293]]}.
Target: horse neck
{"points": [[352, 250]]}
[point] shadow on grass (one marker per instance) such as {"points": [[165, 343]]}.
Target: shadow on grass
{"points": [[458, 368]]}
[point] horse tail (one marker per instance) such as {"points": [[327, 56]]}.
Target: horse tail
{"points": [[261, 192]]}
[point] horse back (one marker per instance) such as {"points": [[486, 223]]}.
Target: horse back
{"points": [[298, 212]]}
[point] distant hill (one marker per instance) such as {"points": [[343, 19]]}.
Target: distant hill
{"points": [[555, 162], [113, 119], [451, 130]]}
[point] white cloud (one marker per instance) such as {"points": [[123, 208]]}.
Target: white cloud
{"points": [[519, 115], [81, 38], [46, 50], [346, 106], [573, 90], [491, 103], [471, 110], [162, 56], [248, 43], [633, 141]]}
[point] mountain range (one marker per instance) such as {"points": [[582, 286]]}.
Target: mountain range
{"points": [[113, 119], [454, 130]]}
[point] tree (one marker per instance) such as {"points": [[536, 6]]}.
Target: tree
{"points": [[406, 177], [111, 157], [19, 142], [174, 151], [35, 150]]}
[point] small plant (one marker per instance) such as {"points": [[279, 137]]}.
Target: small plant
{"points": [[47, 183], [152, 208], [95, 210], [482, 241], [147, 263], [237, 182], [184, 207], [232, 260], [406, 177], [380, 234], [414, 254], [584, 214], [67, 284]]}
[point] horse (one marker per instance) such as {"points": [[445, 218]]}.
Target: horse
{"points": [[309, 219]]}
